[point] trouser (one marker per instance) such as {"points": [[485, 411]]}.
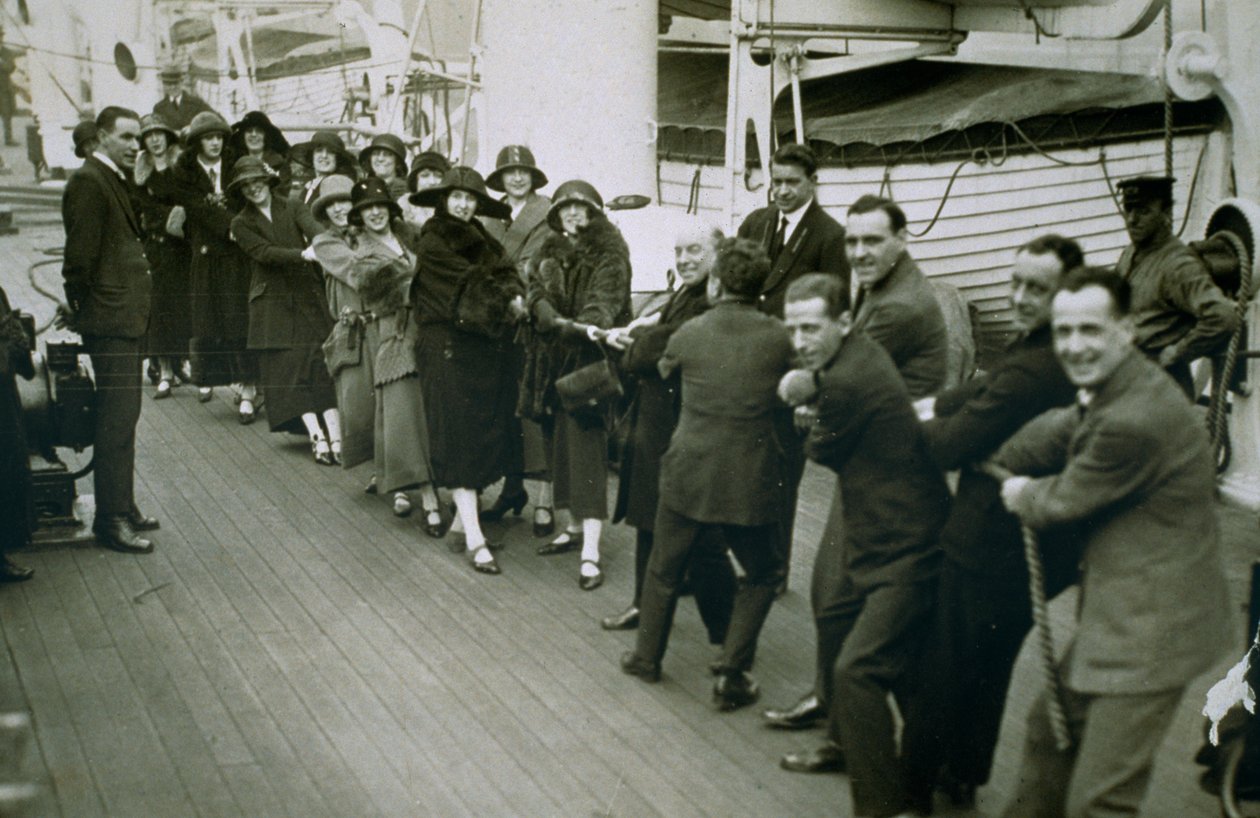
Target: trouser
{"points": [[874, 635], [794, 468], [116, 366], [955, 711], [711, 576], [677, 536], [1106, 774]]}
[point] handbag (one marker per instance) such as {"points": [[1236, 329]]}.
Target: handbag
{"points": [[343, 348], [586, 387]]}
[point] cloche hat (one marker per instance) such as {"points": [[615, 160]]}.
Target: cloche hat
{"points": [[332, 189], [572, 191], [462, 177], [388, 142], [83, 133], [154, 122], [371, 191], [249, 169], [206, 122], [273, 138], [515, 156]]}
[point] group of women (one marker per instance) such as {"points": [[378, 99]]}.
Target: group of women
{"points": [[395, 311]]}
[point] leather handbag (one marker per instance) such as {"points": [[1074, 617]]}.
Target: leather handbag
{"points": [[588, 386], [343, 347]]}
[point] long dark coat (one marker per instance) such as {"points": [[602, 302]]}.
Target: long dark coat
{"points": [[287, 303], [218, 274], [653, 412], [467, 376], [169, 256], [587, 280]]}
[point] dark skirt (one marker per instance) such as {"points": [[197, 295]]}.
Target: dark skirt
{"points": [[219, 287], [469, 390], [579, 466], [294, 382], [171, 311]]}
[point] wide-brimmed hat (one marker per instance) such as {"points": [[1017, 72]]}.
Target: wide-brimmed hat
{"points": [[250, 169], [371, 191], [332, 189], [154, 122], [207, 122], [386, 142], [83, 133], [462, 177], [572, 191], [273, 139], [304, 153], [510, 158]]}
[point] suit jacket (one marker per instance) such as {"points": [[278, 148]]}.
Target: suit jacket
{"points": [[287, 306], [972, 421], [521, 237], [179, 116], [815, 246], [1135, 469], [894, 498], [901, 313], [724, 464], [106, 274]]}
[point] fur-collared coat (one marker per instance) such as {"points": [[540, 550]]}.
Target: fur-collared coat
{"points": [[585, 279], [464, 278]]}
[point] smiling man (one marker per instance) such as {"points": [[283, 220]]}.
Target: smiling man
{"points": [[873, 586], [982, 610], [108, 290], [1132, 467]]}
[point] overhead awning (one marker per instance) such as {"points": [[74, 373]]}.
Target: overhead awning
{"points": [[872, 114]]}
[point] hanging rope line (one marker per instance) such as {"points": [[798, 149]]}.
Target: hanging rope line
{"points": [[1219, 403], [1168, 93]]}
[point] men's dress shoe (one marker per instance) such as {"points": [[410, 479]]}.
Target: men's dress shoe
{"points": [[633, 665], [12, 572], [116, 534], [828, 758], [139, 522], [733, 690], [627, 620], [804, 714]]}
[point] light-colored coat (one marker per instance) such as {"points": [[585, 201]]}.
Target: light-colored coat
{"points": [[1135, 471]]}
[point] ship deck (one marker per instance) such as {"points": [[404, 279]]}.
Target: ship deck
{"points": [[291, 648]]}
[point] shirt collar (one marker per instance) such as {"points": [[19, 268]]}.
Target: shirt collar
{"points": [[109, 163], [793, 219]]}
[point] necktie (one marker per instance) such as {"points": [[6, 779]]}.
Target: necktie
{"points": [[214, 178], [776, 241]]}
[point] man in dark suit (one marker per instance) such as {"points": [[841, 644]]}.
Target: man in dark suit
{"points": [[982, 605], [799, 237], [108, 288], [797, 234], [178, 105], [894, 501], [897, 309], [1131, 464], [721, 471]]}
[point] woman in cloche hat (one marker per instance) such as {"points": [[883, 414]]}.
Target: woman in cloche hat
{"points": [[427, 170], [468, 298], [166, 343], [288, 315], [385, 157], [579, 284], [324, 154], [517, 175], [256, 136]]}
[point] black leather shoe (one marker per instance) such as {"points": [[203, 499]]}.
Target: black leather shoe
{"points": [[116, 534], [627, 620], [12, 572], [828, 758], [633, 665], [733, 690], [566, 542], [804, 714], [514, 503], [589, 582], [139, 522], [544, 521], [487, 567]]}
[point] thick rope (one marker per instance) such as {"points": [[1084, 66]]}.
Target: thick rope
{"points": [[1041, 622], [1168, 94], [1217, 427]]}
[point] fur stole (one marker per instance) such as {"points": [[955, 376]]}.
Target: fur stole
{"points": [[563, 265], [469, 240]]}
